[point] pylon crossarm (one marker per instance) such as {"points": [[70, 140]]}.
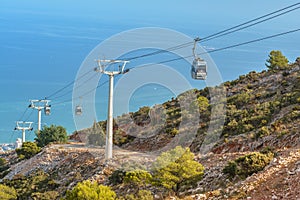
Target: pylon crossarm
{"points": [[23, 126], [39, 105], [103, 63]]}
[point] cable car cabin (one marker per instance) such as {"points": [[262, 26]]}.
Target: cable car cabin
{"points": [[199, 69], [78, 110], [47, 110]]}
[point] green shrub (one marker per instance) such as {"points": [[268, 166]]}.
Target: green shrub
{"points": [[35, 186], [117, 177], [4, 172], [295, 114], [284, 83], [172, 131], [7, 193], [247, 165], [28, 150], [3, 166], [239, 100], [144, 195], [138, 177], [2, 162], [176, 168], [263, 131], [232, 125], [230, 169], [51, 134], [201, 104], [88, 190]]}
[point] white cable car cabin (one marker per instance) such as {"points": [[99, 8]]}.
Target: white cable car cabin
{"points": [[199, 66], [199, 69], [47, 110], [78, 110]]}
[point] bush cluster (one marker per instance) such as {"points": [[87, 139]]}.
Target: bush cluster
{"points": [[90, 191], [38, 185], [3, 167], [7, 193], [51, 134], [137, 177], [28, 150], [247, 165], [172, 170]]}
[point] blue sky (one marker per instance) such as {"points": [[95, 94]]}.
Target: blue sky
{"points": [[43, 43]]}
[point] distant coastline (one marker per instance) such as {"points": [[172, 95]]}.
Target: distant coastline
{"points": [[4, 147]]}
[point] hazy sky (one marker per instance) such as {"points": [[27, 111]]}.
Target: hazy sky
{"points": [[43, 43]]}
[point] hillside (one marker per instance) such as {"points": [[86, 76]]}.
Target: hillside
{"points": [[262, 114], [261, 109]]}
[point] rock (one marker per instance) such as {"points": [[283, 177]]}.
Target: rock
{"points": [[200, 196], [291, 172]]}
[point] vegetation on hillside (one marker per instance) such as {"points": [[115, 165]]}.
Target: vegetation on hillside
{"points": [[277, 60], [257, 104], [7, 193], [38, 185], [51, 134], [28, 150], [247, 165], [4, 167], [172, 170], [90, 191], [176, 168], [261, 109]]}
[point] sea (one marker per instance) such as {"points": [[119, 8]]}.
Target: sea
{"points": [[38, 59]]}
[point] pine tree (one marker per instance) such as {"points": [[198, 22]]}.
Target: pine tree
{"points": [[277, 60]]}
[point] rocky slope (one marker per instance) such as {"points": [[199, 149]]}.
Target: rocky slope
{"points": [[262, 111]]}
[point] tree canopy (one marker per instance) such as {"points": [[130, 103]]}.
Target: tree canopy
{"points": [[177, 167], [51, 134], [277, 60]]}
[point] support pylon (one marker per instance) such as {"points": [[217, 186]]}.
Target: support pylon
{"points": [[24, 126], [39, 105], [102, 64]]}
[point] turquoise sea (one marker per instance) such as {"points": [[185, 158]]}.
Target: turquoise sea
{"points": [[41, 53]]}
